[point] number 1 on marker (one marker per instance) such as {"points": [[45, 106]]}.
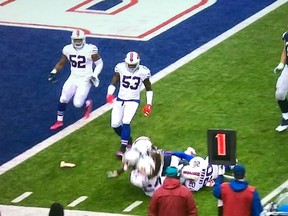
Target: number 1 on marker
{"points": [[221, 144]]}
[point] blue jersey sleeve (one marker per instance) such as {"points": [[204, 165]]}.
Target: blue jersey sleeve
{"points": [[217, 187], [182, 155], [257, 207]]}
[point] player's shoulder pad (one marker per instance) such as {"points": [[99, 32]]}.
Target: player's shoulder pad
{"points": [[145, 70], [285, 36], [93, 48], [119, 66], [67, 48]]}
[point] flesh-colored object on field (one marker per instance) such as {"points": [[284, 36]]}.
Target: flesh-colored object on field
{"points": [[65, 164]]}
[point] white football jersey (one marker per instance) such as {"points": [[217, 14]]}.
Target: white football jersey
{"points": [[206, 175], [148, 185], [81, 61], [131, 82]]}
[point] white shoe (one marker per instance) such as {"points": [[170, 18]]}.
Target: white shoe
{"points": [[283, 125], [281, 128]]}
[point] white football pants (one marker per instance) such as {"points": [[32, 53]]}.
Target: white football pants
{"points": [[123, 112], [282, 85], [77, 87]]}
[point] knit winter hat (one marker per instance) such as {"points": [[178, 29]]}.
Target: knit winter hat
{"points": [[239, 171], [171, 172]]}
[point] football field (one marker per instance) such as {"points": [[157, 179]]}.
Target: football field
{"points": [[227, 82]]}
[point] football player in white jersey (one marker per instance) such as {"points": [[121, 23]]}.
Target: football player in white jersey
{"points": [[130, 76], [282, 85], [141, 147], [149, 173], [86, 64], [198, 173]]}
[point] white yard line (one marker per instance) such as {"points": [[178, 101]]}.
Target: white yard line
{"points": [[77, 201], [132, 206], [21, 197], [36, 211], [29, 211]]}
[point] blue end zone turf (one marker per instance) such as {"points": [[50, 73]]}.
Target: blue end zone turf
{"points": [[105, 5]]}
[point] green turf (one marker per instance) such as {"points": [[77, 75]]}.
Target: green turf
{"points": [[231, 86]]}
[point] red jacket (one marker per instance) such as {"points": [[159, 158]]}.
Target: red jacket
{"points": [[237, 203], [172, 199]]}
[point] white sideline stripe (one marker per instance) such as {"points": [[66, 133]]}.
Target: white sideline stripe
{"points": [[21, 197], [29, 211], [77, 201], [228, 177], [53, 139], [7, 210], [132, 206], [274, 193]]}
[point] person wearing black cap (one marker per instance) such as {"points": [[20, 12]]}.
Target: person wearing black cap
{"points": [[56, 209], [238, 197], [172, 198]]}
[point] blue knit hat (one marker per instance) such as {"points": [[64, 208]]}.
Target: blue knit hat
{"points": [[171, 172], [239, 171]]}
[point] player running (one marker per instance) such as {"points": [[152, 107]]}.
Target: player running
{"points": [[82, 57], [130, 76]]}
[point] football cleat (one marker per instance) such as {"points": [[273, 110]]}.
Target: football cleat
{"points": [[283, 125], [128, 147], [88, 109], [56, 125], [119, 154]]}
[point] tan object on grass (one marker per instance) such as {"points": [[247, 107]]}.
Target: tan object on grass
{"points": [[64, 164]]}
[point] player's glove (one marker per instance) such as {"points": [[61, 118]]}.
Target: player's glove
{"points": [[52, 77], [112, 174], [184, 162], [109, 98], [279, 68], [221, 170], [95, 81], [147, 110], [210, 183]]}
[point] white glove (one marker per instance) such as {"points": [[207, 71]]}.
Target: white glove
{"points": [[279, 67], [112, 174], [221, 170], [210, 183], [95, 81]]}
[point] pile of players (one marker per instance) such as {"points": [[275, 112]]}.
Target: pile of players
{"points": [[147, 164]]}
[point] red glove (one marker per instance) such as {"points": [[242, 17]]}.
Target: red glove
{"points": [[109, 98], [147, 110]]}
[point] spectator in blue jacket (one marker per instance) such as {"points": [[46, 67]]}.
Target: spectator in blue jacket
{"points": [[238, 197]]}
